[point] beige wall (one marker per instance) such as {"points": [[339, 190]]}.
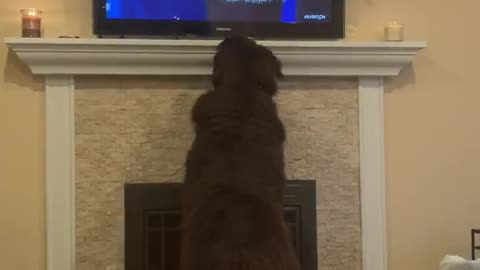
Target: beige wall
{"points": [[432, 131]]}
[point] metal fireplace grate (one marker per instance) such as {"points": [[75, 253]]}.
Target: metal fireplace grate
{"points": [[162, 237], [162, 240], [152, 225]]}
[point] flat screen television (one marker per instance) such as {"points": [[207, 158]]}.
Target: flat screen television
{"points": [[307, 19]]}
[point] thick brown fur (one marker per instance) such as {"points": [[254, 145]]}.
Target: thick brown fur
{"points": [[232, 212]]}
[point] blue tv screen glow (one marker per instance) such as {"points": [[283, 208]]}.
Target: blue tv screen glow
{"points": [[279, 11]]}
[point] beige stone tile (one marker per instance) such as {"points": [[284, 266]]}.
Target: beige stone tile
{"points": [[138, 130]]}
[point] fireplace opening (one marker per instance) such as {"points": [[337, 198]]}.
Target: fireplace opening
{"points": [[153, 220]]}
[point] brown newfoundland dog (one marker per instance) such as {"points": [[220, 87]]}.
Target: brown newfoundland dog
{"points": [[232, 212]]}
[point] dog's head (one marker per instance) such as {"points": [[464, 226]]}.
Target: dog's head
{"points": [[240, 60]]}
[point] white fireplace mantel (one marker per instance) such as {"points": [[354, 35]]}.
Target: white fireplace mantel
{"points": [[193, 57], [60, 60]]}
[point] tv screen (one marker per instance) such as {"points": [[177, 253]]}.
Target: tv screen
{"points": [[258, 18]]}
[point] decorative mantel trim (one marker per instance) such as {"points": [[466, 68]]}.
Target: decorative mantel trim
{"points": [[193, 57], [61, 59]]}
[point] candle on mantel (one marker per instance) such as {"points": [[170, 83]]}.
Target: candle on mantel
{"points": [[31, 22], [394, 31]]}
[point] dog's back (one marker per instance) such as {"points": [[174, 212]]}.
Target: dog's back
{"points": [[233, 218]]}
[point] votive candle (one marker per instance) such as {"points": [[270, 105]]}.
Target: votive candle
{"points": [[394, 31]]}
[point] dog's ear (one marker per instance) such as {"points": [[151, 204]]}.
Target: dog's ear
{"points": [[278, 67], [217, 74], [268, 69]]}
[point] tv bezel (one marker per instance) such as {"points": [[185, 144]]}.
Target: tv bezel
{"points": [[103, 26]]}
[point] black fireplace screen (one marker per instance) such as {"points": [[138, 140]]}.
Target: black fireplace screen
{"points": [[152, 224]]}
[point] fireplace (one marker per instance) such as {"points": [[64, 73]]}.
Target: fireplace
{"points": [[152, 224], [105, 129]]}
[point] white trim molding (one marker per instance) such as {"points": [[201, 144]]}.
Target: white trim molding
{"points": [[60, 60]]}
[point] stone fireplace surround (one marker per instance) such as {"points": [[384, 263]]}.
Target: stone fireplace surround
{"points": [[60, 60]]}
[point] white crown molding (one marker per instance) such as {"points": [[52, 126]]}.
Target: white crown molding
{"points": [[61, 59], [193, 57]]}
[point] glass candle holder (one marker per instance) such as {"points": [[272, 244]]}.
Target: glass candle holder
{"points": [[393, 31], [31, 23]]}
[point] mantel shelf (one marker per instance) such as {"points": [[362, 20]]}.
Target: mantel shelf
{"points": [[194, 57]]}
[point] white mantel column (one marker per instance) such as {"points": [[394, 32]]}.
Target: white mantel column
{"points": [[60, 170], [372, 173]]}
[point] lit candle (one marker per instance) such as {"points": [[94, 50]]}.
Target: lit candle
{"points": [[394, 31], [31, 22]]}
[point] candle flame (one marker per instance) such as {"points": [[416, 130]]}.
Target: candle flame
{"points": [[31, 12]]}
